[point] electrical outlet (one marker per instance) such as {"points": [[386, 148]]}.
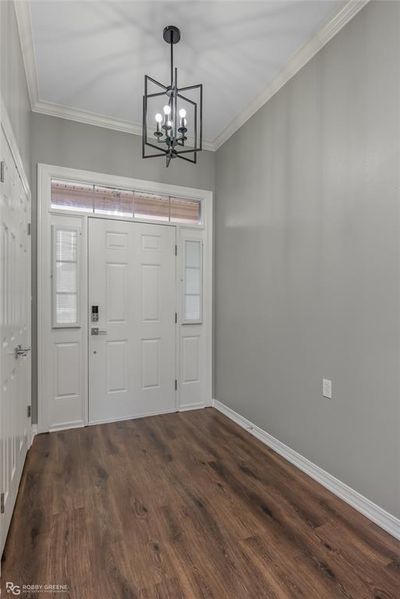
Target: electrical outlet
{"points": [[327, 388]]}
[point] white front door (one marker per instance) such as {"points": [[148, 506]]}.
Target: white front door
{"points": [[15, 306], [132, 294]]}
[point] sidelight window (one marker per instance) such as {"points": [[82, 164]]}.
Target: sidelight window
{"points": [[65, 277], [193, 281]]}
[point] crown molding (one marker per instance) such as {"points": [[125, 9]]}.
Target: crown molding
{"points": [[85, 116], [298, 60], [93, 118], [24, 24]]}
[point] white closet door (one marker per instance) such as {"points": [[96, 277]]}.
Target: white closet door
{"points": [[132, 344], [15, 299]]}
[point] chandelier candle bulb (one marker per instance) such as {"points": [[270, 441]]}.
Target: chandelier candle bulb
{"points": [[158, 118], [182, 114]]}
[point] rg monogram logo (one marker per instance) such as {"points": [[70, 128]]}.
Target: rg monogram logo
{"points": [[15, 589]]}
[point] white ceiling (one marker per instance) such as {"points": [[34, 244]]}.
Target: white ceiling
{"points": [[91, 56]]}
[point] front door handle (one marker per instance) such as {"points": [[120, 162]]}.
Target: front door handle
{"points": [[21, 351], [97, 331]]}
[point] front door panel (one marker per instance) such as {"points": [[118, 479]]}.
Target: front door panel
{"points": [[131, 314]]}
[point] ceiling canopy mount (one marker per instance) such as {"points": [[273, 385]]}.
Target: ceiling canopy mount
{"points": [[171, 34]]}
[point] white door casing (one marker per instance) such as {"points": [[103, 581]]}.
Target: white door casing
{"points": [[15, 307], [63, 389], [132, 345]]}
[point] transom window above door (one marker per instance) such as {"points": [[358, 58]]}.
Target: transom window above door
{"points": [[96, 199]]}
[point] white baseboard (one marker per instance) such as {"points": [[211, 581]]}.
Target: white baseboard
{"points": [[34, 432], [80, 423], [376, 514], [65, 426], [193, 406]]}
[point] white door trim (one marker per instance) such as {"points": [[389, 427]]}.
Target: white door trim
{"points": [[45, 174]]}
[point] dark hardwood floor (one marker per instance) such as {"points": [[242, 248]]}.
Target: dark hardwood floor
{"points": [[186, 506]]}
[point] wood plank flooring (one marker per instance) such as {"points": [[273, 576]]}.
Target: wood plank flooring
{"points": [[186, 506]]}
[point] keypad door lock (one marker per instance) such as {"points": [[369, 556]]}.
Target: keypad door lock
{"points": [[95, 314]]}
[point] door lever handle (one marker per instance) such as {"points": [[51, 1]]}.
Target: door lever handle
{"points": [[21, 351], [97, 331]]}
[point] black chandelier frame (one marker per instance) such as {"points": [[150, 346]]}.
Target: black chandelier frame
{"points": [[175, 140]]}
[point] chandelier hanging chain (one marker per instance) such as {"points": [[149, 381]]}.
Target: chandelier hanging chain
{"points": [[171, 125]]}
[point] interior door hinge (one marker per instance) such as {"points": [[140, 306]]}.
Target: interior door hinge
{"points": [[2, 503], [176, 317], [176, 384], [29, 228], [28, 411], [2, 169], [176, 250]]}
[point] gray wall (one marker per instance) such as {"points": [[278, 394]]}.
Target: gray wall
{"points": [[12, 81], [75, 145], [307, 260]]}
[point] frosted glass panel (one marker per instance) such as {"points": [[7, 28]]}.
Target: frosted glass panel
{"points": [[66, 308], [185, 211], [151, 207], [66, 242], [192, 277], [192, 285], [192, 253], [192, 307], [66, 195], [113, 201], [66, 277]]}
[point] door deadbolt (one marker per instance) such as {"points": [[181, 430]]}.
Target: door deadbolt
{"points": [[96, 331]]}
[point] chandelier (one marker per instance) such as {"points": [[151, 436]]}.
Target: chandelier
{"points": [[173, 117]]}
